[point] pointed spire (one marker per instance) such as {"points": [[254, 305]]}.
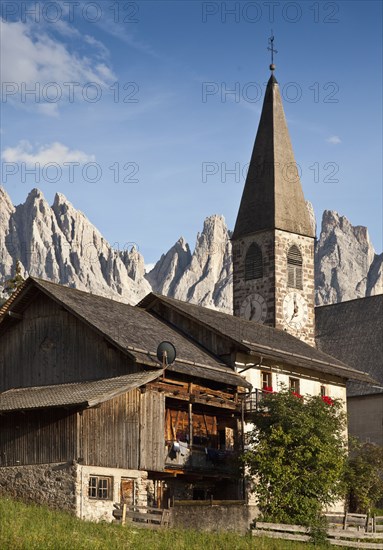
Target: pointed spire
{"points": [[273, 196]]}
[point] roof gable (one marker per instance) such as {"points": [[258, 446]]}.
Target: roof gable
{"points": [[259, 339], [132, 330]]}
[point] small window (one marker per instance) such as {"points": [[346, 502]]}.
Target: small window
{"points": [[267, 381], [294, 385], [323, 391], [294, 268], [253, 263], [100, 488]]}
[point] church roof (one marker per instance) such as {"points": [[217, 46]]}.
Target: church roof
{"points": [[272, 197], [353, 331], [134, 331], [83, 394], [259, 339]]}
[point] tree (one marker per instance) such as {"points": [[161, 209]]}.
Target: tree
{"points": [[364, 476], [297, 456], [11, 284]]}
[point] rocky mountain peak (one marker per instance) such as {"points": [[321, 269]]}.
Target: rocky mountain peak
{"points": [[344, 256], [59, 243], [5, 201]]}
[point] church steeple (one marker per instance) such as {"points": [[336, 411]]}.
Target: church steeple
{"points": [[273, 239], [273, 196]]}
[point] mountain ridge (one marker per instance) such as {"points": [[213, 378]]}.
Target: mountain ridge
{"points": [[59, 243]]}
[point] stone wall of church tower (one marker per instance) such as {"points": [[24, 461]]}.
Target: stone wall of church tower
{"points": [[283, 242], [265, 286], [273, 286]]}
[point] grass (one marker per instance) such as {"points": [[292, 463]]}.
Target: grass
{"points": [[28, 526]]}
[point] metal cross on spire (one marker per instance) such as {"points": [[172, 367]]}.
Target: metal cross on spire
{"points": [[272, 50]]}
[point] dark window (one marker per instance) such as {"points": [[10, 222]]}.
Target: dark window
{"points": [[253, 263], [294, 268], [323, 391], [294, 385], [267, 383], [100, 488]]}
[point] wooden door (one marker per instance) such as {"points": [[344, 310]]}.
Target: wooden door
{"points": [[127, 491]]}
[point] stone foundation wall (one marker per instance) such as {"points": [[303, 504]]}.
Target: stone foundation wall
{"points": [[49, 484], [214, 518]]}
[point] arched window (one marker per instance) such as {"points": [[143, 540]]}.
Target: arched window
{"points": [[294, 267], [253, 263]]}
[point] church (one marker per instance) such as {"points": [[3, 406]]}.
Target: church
{"points": [[89, 415]]}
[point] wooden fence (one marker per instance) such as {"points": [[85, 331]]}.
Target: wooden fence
{"points": [[351, 533], [142, 516]]}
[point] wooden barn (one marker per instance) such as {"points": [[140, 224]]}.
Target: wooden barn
{"points": [[86, 407], [89, 416]]}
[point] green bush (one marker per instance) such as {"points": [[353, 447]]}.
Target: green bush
{"points": [[297, 456]]}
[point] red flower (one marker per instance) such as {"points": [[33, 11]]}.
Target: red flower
{"points": [[296, 394], [268, 389], [327, 399]]}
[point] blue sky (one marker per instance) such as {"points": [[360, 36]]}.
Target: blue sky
{"points": [[134, 98]]}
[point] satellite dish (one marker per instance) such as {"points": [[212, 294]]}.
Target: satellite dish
{"points": [[166, 353]]}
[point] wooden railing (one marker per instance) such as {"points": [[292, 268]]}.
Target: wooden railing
{"points": [[252, 402], [142, 516], [202, 459]]}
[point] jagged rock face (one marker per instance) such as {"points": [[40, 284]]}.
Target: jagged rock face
{"points": [[203, 277], [375, 277], [169, 269], [207, 279], [60, 244], [346, 264], [312, 217], [6, 211]]}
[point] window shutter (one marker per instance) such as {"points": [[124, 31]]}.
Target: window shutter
{"points": [[294, 268], [253, 263]]}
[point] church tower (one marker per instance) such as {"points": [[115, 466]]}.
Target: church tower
{"points": [[273, 239]]}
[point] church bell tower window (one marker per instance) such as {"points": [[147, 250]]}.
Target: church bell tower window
{"points": [[294, 268], [253, 263]]}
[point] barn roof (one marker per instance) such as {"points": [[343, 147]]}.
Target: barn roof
{"points": [[259, 339], [133, 330], [84, 394], [353, 331]]}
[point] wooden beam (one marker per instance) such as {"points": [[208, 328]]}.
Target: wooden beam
{"points": [[190, 425], [15, 315]]}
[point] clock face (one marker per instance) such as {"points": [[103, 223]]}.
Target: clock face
{"points": [[254, 308], [295, 310]]}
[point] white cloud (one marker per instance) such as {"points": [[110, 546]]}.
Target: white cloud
{"points": [[149, 267], [34, 59], [335, 140], [49, 109], [55, 152]]}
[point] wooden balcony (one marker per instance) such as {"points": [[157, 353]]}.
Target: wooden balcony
{"points": [[252, 402], [201, 459]]}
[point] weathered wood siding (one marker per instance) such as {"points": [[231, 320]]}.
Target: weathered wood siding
{"points": [[37, 437], [213, 342], [50, 346], [109, 435], [152, 440]]}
